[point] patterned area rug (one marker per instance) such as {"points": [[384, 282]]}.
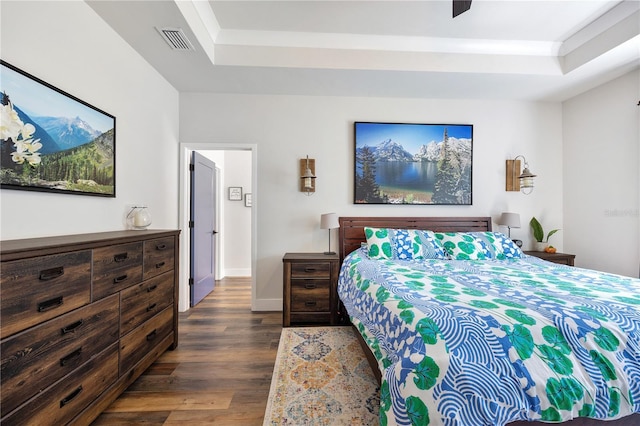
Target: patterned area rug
{"points": [[321, 377]]}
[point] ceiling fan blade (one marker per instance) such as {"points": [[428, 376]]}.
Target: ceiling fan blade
{"points": [[460, 6]]}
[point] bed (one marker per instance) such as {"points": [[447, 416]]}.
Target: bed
{"points": [[493, 337]]}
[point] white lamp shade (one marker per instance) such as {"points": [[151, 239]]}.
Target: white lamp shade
{"points": [[329, 221], [512, 220]]}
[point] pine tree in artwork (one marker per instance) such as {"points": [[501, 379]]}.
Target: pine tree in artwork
{"points": [[448, 175], [367, 190]]}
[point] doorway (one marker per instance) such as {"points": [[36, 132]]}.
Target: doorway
{"points": [[248, 168]]}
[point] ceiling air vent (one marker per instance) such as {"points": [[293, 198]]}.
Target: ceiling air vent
{"points": [[175, 38]]}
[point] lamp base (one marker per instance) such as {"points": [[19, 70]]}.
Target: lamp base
{"points": [[329, 252]]}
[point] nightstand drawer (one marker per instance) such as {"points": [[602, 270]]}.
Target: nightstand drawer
{"points": [[311, 270], [310, 296]]}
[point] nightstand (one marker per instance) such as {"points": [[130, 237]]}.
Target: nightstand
{"points": [[562, 258], [310, 294]]}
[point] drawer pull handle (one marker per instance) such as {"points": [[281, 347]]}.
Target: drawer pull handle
{"points": [[71, 396], [312, 303], [309, 269], [120, 279], [159, 265], [309, 286], [72, 327], [121, 257], [151, 335], [153, 287], [50, 304], [66, 359], [49, 274], [151, 307], [161, 247]]}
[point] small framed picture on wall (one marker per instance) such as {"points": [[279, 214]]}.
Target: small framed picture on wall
{"points": [[247, 200], [235, 193]]}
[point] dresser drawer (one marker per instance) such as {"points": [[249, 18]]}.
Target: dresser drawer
{"points": [[311, 270], [41, 355], [142, 301], [37, 289], [310, 295], [70, 395], [115, 268], [135, 345], [158, 256]]}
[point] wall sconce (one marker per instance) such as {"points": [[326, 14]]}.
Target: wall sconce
{"points": [[517, 181], [307, 175]]}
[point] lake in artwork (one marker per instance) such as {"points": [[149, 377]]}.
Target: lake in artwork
{"points": [[414, 180]]}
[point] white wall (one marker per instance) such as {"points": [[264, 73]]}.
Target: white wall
{"points": [[237, 222], [67, 45], [287, 128], [601, 133]]}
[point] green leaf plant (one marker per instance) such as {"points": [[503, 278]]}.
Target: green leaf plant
{"points": [[538, 232]]}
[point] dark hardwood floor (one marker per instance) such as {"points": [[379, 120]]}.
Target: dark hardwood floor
{"points": [[219, 374]]}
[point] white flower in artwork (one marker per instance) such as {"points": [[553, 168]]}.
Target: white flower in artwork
{"points": [[10, 123], [14, 130], [27, 131], [26, 151]]}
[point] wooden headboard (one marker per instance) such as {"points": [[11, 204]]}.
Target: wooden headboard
{"points": [[351, 232]]}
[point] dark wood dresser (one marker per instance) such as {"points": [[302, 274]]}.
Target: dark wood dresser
{"points": [[82, 316]]}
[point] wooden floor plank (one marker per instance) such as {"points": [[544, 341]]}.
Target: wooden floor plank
{"points": [[219, 374], [171, 400]]}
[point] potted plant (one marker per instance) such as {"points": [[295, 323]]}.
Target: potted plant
{"points": [[538, 234]]}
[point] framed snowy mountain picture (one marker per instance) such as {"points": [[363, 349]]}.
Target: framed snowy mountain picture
{"points": [[404, 163], [51, 141]]}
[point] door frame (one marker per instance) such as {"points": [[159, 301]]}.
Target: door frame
{"points": [[183, 212]]}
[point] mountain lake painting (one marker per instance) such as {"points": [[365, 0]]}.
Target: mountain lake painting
{"points": [[398, 163], [52, 141]]}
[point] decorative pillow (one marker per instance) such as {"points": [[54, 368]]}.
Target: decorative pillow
{"points": [[463, 246], [407, 244], [379, 243], [488, 239], [503, 246], [431, 246]]}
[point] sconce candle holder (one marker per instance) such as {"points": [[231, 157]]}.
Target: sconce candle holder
{"points": [[308, 175]]}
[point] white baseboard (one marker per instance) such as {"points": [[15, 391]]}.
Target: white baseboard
{"points": [[267, 305], [239, 272]]}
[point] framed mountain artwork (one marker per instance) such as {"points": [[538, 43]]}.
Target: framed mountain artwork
{"points": [[51, 141], [403, 163]]}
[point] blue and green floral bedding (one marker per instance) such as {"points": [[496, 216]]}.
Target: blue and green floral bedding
{"points": [[487, 342]]}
